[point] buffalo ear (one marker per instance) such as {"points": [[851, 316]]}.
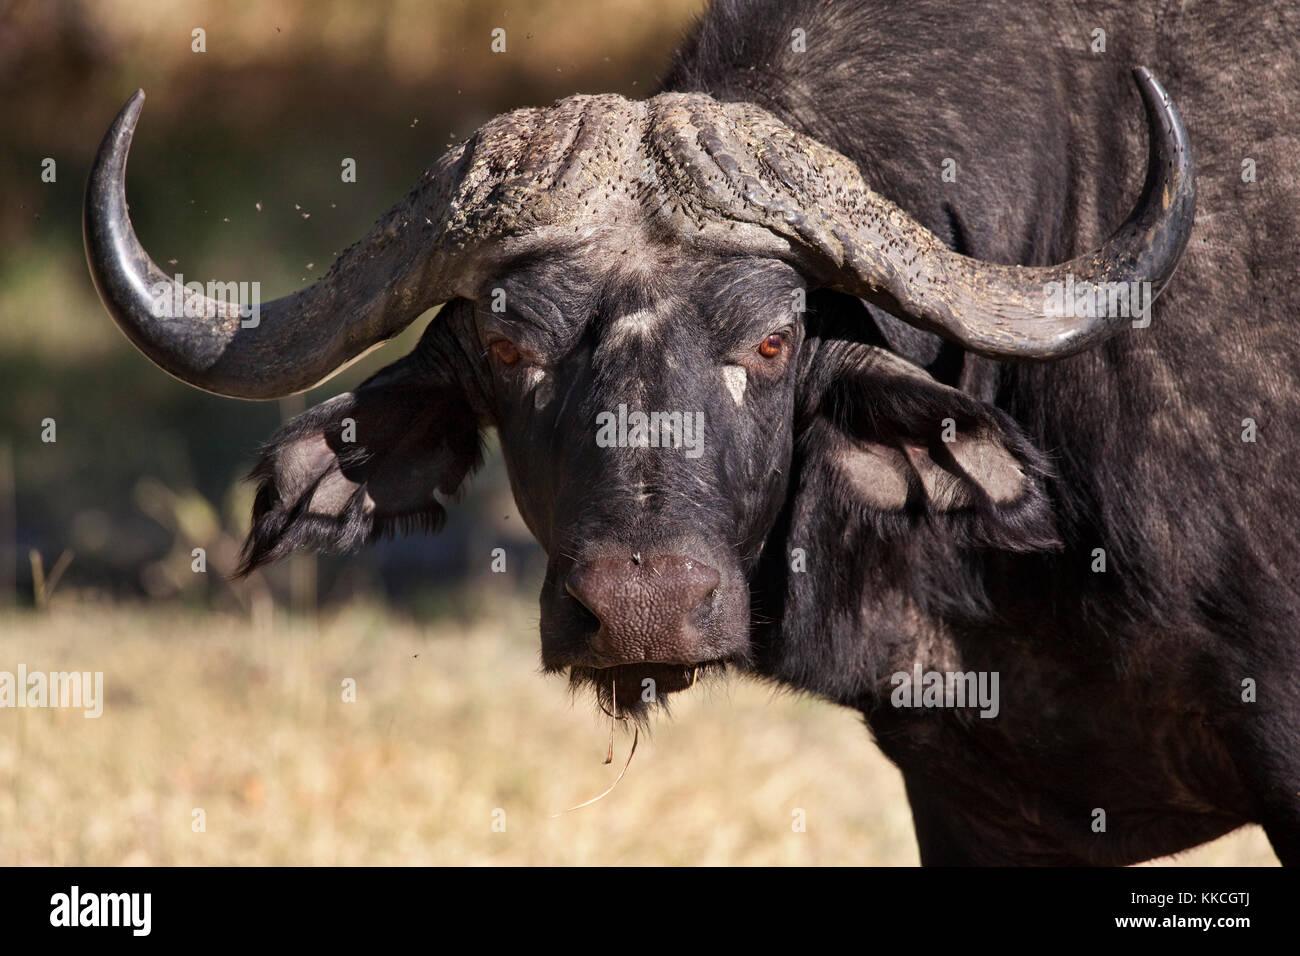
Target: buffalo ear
{"points": [[362, 465], [906, 449]]}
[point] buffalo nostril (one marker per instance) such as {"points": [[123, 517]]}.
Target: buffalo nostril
{"points": [[702, 585], [579, 584]]}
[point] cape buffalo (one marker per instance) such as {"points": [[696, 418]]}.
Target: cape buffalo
{"points": [[836, 362]]}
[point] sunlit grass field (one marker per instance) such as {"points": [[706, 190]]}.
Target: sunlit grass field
{"points": [[451, 725]]}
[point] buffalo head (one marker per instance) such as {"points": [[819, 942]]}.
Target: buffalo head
{"points": [[635, 296]]}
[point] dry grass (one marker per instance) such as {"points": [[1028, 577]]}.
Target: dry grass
{"points": [[449, 725]]}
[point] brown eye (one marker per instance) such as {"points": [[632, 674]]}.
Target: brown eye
{"points": [[505, 352], [772, 345]]}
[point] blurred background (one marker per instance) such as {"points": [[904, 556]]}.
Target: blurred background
{"points": [[225, 696]]}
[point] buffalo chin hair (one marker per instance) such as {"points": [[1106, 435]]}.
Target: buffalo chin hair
{"points": [[637, 701]]}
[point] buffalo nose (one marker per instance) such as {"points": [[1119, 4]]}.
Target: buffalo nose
{"points": [[649, 608]]}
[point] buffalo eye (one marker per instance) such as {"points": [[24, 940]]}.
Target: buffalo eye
{"points": [[772, 346], [505, 352]]}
